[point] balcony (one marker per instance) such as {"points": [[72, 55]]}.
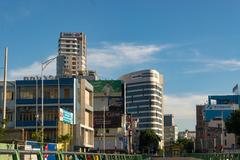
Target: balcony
{"points": [[70, 47], [65, 52]]}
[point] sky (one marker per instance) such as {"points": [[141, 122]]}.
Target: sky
{"points": [[194, 44]]}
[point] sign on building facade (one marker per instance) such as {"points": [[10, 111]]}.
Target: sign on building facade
{"points": [[65, 116]]}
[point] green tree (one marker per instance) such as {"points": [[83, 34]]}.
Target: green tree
{"points": [[187, 145], [37, 136], [65, 139], [232, 124], [148, 141], [2, 132]]}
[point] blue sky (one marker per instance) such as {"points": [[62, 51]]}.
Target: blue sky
{"points": [[194, 44]]}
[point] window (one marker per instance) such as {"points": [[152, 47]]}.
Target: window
{"points": [[10, 116], [10, 95], [66, 93], [50, 92], [26, 92], [88, 98], [87, 118], [95, 131]]}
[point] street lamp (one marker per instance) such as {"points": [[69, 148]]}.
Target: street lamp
{"points": [[43, 66]]}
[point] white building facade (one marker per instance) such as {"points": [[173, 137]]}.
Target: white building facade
{"points": [[144, 99]]}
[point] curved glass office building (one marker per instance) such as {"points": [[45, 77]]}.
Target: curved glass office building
{"points": [[144, 99]]}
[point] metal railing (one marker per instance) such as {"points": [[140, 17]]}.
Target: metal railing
{"points": [[215, 156], [58, 155]]}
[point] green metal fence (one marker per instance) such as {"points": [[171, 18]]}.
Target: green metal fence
{"points": [[215, 156], [18, 154]]}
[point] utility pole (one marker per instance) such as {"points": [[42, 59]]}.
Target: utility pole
{"points": [[5, 88], [222, 134]]}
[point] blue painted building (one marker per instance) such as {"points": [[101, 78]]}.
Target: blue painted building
{"points": [[221, 106], [58, 93], [68, 109]]}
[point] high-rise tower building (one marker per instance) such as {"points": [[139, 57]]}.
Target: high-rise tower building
{"points": [[168, 120], [144, 98], [72, 52], [170, 130]]}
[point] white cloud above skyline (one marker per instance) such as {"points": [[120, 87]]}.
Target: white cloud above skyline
{"points": [[110, 55], [33, 69], [183, 107], [229, 65]]}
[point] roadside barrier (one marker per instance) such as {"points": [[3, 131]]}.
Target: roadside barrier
{"points": [[58, 155], [215, 156]]}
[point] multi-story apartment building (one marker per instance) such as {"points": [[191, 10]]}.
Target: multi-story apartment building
{"points": [[144, 99], [67, 109], [72, 54], [170, 130]]}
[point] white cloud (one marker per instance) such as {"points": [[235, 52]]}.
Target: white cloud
{"points": [[33, 70], [110, 56], [215, 65], [183, 108], [229, 65]]}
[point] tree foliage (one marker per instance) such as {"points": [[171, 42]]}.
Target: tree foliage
{"points": [[65, 139], [232, 123], [2, 132], [37, 136], [186, 145], [149, 140]]}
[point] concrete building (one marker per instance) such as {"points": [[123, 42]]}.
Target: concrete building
{"points": [[83, 130], [187, 134], [144, 99], [72, 54], [200, 128], [170, 130], [68, 109], [109, 113], [10, 104], [218, 138], [211, 133]]}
